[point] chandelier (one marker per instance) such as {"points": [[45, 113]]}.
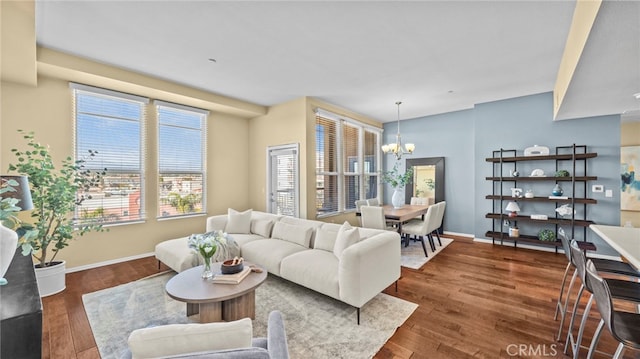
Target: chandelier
{"points": [[396, 148]]}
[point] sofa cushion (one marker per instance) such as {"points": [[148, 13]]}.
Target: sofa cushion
{"points": [[176, 339], [293, 233], [315, 269], [308, 223], [269, 252], [326, 237], [262, 227], [238, 222], [347, 236], [243, 239]]}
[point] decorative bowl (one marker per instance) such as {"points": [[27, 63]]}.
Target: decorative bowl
{"points": [[228, 268]]}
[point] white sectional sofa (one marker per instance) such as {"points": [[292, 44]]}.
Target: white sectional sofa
{"points": [[352, 265]]}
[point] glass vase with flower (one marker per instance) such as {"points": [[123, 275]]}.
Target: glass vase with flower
{"points": [[205, 245]]}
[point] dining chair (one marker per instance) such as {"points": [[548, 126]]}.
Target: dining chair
{"points": [[623, 326], [418, 201], [373, 217], [619, 289], [440, 206], [373, 202], [421, 229], [360, 203], [602, 265]]}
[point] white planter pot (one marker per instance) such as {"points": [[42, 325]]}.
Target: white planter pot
{"points": [[397, 200], [51, 280]]}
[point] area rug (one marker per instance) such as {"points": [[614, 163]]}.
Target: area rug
{"points": [[413, 255], [317, 326]]}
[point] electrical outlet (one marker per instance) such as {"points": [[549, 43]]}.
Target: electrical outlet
{"points": [[596, 188], [608, 193]]}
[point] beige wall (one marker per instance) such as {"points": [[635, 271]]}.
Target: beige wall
{"points": [[43, 104], [46, 110], [630, 136], [293, 122], [283, 124]]}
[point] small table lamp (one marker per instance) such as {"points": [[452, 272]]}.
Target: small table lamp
{"points": [[513, 209], [8, 237]]}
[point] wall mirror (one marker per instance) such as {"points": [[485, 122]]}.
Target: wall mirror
{"points": [[428, 179]]}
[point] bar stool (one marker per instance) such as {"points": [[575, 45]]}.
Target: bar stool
{"points": [[623, 326], [602, 265], [619, 289]]}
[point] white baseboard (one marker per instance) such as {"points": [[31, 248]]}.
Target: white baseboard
{"points": [[459, 234], [106, 263]]}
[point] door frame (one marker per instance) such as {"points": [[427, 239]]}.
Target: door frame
{"points": [[270, 149]]}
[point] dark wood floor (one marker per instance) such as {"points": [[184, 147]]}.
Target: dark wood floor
{"points": [[475, 300]]}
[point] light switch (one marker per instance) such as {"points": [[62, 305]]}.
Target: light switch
{"points": [[608, 193], [597, 188]]}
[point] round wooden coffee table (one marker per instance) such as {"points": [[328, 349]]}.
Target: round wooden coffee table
{"points": [[216, 302]]}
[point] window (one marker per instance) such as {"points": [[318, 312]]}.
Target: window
{"points": [[371, 158], [347, 163], [326, 165], [111, 123], [181, 159]]}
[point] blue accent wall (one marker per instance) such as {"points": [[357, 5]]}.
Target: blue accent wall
{"points": [[467, 138]]}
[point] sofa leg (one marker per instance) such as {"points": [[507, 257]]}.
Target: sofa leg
{"points": [[358, 314], [158, 264], [396, 286]]}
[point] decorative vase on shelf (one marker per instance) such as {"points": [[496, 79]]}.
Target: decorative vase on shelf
{"points": [[557, 190], [397, 200], [207, 273]]}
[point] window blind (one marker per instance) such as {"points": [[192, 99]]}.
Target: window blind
{"points": [[110, 123], [326, 165], [347, 162], [181, 159]]}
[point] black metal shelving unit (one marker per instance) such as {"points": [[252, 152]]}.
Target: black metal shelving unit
{"points": [[505, 160]]}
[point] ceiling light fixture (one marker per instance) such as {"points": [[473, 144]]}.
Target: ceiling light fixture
{"points": [[637, 95], [396, 148]]}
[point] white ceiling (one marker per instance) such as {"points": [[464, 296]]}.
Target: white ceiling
{"points": [[435, 56]]}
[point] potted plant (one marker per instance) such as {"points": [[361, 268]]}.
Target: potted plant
{"points": [[397, 180], [55, 194]]}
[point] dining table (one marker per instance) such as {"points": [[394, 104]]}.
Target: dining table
{"points": [[625, 240], [403, 214]]}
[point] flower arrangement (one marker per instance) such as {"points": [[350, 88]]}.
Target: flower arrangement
{"points": [[397, 179], [206, 245]]}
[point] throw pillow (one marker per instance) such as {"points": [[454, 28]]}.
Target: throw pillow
{"points": [[292, 233], [238, 222], [175, 339], [325, 239], [262, 227], [347, 236]]}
